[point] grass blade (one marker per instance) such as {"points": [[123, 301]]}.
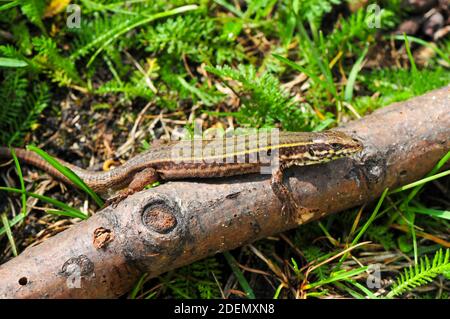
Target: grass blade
{"points": [[368, 222], [424, 43], [410, 56], [364, 289], [66, 214], [350, 291], [420, 182], [7, 227], [9, 5], [49, 200], [137, 287], [239, 275], [348, 94], [299, 68], [67, 172], [337, 277], [22, 183], [278, 291], [16, 219], [445, 214], [12, 63]]}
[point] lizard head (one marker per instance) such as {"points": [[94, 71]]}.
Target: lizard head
{"points": [[322, 147]]}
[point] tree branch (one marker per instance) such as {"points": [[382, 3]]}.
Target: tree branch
{"points": [[179, 222]]}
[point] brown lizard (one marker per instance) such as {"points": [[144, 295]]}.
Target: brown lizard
{"points": [[209, 158]]}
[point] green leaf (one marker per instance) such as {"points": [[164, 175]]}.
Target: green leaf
{"points": [[348, 95], [445, 214], [410, 38], [22, 183], [34, 10], [404, 243], [421, 182], [12, 63], [239, 275], [342, 275], [7, 228], [49, 200], [9, 5], [66, 214], [67, 172], [422, 273]]}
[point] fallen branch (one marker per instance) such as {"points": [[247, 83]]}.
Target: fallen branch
{"points": [[179, 222]]}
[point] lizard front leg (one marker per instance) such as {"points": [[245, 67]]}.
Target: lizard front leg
{"points": [[140, 180], [283, 193]]}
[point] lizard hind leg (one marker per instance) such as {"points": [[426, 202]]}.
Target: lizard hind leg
{"points": [[283, 193], [140, 180]]}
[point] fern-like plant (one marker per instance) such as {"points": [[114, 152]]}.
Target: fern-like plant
{"points": [[264, 102], [422, 273], [61, 69], [33, 10], [314, 10], [21, 106]]}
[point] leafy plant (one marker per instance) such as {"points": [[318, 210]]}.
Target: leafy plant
{"points": [[263, 102], [61, 69], [396, 85], [34, 10], [422, 273], [313, 10], [201, 283], [20, 108]]}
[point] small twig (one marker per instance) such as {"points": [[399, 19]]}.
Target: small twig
{"points": [[147, 78], [132, 136]]}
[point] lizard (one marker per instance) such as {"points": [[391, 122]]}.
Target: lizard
{"points": [[214, 158]]}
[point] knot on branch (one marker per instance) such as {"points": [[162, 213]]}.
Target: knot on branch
{"points": [[156, 227], [371, 164], [159, 218]]}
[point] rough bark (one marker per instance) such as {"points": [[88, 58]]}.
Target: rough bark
{"points": [[179, 222]]}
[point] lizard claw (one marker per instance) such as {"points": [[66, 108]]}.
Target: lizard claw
{"points": [[290, 207], [115, 200]]}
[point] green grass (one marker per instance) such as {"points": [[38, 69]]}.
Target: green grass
{"points": [[70, 211], [294, 65], [7, 228], [239, 275], [67, 172], [12, 63], [22, 183]]}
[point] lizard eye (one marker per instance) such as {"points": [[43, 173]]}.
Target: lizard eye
{"points": [[269, 152], [336, 146], [311, 152]]}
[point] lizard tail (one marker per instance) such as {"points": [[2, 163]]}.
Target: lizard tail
{"points": [[101, 182], [31, 158]]}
